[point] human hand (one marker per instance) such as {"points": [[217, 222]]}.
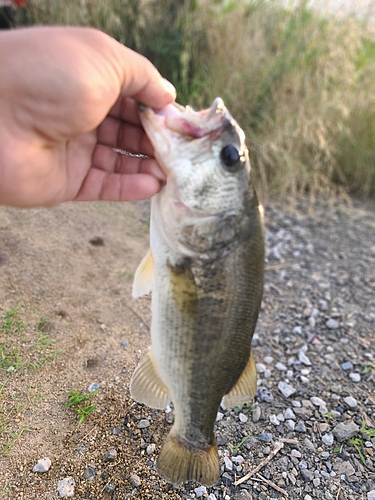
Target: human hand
{"points": [[68, 96]]}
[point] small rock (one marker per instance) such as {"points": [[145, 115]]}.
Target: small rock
{"points": [[65, 487], [307, 475], [345, 430], [260, 367], [256, 414], [42, 465], [274, 420], [150, 449], [371, 495], [290, 424], [332, 324], [228, 463], [343, 467], [351, 402], [328, 439], [116, 430], [300, 427], [264, 394], [110, 455], [289, 414], [316, 482], [110, 487], [103, 327], [200, 491], [238, 459], [268, 360], [302, 356], [219, 416], [319, 402], [93, 387], [286, 389], [124, 343], [243, 418], [347, 366], [296, 404], [309, 444], [295, 453], [356, 377], [281, 367], [265, 436], [135, 481], [90, 472], [143, 424]]}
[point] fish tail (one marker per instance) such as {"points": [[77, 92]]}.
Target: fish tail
{"points": [[178, 463]]}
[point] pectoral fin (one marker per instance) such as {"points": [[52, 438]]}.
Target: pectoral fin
{"points": [[146, 385], [245, 387], [144, 276]]}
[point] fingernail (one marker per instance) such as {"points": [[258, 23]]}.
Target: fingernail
{"points": [[169, 87]]}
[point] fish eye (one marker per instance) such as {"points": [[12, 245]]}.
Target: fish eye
{"points": [[231, 158]]}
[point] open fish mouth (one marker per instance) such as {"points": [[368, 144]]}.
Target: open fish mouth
{"points": [[187, 122]]}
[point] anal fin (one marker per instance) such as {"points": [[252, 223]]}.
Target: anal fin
{"points": [[245, 387], [147, 387]]}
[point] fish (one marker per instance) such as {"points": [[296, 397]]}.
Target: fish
{"points": [[205, 268]]}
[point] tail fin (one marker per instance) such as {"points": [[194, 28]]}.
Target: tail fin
{"points": [[177, 463]]}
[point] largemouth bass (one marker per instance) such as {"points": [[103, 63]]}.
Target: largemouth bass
{"points": [[205, 269]]}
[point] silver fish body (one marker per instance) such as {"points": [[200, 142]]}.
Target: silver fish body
{"points": [[206, 271]]}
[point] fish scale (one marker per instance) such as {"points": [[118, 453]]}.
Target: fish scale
{"points": [[205, 269]]}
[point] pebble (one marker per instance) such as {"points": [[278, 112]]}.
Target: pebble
{"points": [[256, 414], [347, 366], [307, 475], [268, 360], [328, 439], [356, 377], [351, 402], [124, 343], [219, 416], [302, 356], [110, 455], [93, 387], [110, 488], [309, 444], [135, 481], [343, 467], [281, 367], [286, 389], [200, 491], [296, 404], [265, 436], [243, 418], [345, 430], [371, 495], [228, 463], [274, 420], [290, 424], [260, 367], [65, 487], [238, 459], [289, 414], [211, 496], [332, 324], [150, 449], [89, 472], [319, 402], [295, 453], [42, 465], [265, 395], [300, 427], [325, 454], [143, 424]]}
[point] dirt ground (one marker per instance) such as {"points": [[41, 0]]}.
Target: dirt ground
{"points": [[67, 321]]}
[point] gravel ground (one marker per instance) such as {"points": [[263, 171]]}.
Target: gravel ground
{"points": [[309, 434]]}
